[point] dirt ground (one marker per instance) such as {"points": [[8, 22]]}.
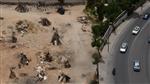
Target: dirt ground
{"points": [[76, 44]]}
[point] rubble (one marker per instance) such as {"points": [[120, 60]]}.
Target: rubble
{"points": [[45, 22], [84, 28], [83, 19], [21, 8], [45, 57], [13, 38], [22, 26], [9, 39], [53, 62], [23, 60], [64, 61], [12, 74], [41, 74], [48, 57], [63, 78], [61, 10], [56, 39]]}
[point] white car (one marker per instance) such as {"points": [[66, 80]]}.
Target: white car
{"points": [[136, 65], [123, 47], [146, 16], [136, 30]]}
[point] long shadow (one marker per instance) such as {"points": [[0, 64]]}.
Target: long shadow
{"points": [[133, 15]]}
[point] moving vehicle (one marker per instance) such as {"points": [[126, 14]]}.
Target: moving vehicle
{"points": [[136, 65], [146, 16], [123, 47], [136, 30]]}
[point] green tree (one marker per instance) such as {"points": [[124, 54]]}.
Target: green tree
{"points": [[100, 11], [94, 82], [112, 11]]}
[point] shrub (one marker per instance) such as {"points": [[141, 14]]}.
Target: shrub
{"points": [[94, 82]]}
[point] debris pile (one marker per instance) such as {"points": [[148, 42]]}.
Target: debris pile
{"points": [[22, 26], [56, 39], [9, 39], [23, 60], [83, 20], [45, 57], [64, 61], [51, 61], [63, 78], [12, 73], [41, 74], [21, 8], [45, 22], [61, 10], [13, 38]]}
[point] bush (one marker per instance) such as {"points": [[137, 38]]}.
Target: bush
{"points": [[112, 11], [94, 82], [97, 58], [99, 29]]}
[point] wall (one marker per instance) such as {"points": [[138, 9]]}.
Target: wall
{"points": [[47, 1]]}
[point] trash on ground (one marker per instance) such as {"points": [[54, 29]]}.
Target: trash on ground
{"points": [[22, 8], [45, 22]]}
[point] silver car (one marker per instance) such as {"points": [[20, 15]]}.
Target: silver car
{"points": [[123, 47], [136, 65], [136, 30]]}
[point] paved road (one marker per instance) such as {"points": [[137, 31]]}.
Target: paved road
{"points": [[138, 49]]}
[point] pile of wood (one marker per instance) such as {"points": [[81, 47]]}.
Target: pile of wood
{"points": [[21, 8], [63, 78], [45, 22]]}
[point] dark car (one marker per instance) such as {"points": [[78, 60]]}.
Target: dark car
{"points": [[148, 41], [146, 16]]}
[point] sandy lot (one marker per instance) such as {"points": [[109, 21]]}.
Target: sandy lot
{"points": [[76, 44]]}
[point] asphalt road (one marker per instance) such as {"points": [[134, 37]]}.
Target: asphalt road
{"points": [[137, 49]]}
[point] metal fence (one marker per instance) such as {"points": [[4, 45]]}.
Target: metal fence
{"points": [[115, 24]]}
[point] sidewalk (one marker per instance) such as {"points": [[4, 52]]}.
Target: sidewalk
{"points": [[105, 69]]}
